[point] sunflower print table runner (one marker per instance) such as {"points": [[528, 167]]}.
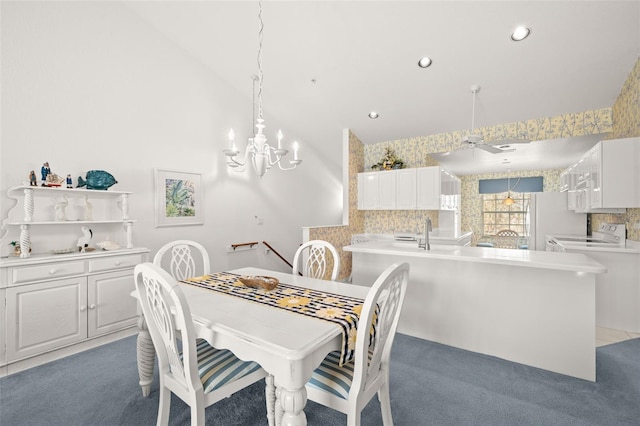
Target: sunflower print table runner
{"points": [[341, 310]]}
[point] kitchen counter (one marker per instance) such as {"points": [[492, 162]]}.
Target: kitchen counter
{"points": [[534, 308], [523, 258], [436, 237], [630, 246]]}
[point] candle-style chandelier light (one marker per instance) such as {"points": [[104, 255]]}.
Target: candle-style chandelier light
{"points": [[262, 155]]}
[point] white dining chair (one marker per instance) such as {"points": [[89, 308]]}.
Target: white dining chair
{"points": [[189, 367], [311, 259], [182, 262], [350, 387]]}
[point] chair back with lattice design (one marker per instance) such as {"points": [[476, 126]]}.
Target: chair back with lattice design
{"points": [[506, 238], [387, 293], [168, 319], [311, 259], [182, 263]]}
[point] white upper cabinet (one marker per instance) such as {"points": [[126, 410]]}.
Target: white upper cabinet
{"points": [[406, 194], [429, 188], [426, 188], [568, 180], [607, 177], [387, 190], [438, 189], [615, 174], [368, 191], [450, 190], [376, 190]]}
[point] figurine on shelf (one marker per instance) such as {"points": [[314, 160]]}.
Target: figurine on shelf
{"points": [[16, 247], [53, 180], [32, 178], [88, 209], [69, 182], [60, 207], [97, 179], [45, 171], [83, 242]]}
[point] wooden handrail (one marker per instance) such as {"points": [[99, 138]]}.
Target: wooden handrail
{"points": [[251, 244], [277, 254]]}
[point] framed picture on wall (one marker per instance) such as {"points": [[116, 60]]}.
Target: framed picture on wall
{"points": [[178, 198]]}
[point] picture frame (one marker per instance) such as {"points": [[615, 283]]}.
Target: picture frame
{"points": [[178, 198]]}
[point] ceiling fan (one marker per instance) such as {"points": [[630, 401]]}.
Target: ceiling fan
{"points": [[475, 140]]}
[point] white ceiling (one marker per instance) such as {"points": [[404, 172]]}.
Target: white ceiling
{"points": [[363, 56]]}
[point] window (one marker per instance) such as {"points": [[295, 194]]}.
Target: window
{"points": [[497, 216]]}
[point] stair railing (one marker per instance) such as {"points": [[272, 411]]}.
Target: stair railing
{"points": [[279, 255]]}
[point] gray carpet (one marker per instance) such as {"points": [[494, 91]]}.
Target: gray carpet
{"points": [[431, 384]]}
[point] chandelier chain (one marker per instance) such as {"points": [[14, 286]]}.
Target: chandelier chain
{"points": [[258, 152], [260, 74]]}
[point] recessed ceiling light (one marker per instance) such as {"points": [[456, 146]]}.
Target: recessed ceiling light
{"points": [[520, 33], [425, 62], [373, 115]]}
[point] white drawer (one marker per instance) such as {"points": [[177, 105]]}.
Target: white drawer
{"points": [[46, 272], [115, 262]]}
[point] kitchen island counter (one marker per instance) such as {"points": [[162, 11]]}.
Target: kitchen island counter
{"points": [[523, 258], [534, 308]]}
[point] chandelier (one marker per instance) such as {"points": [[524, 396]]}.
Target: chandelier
{"points": [[262, 155]]}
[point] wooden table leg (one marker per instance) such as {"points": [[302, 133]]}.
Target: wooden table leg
{"points": [[278, 413], [292, 403], [146, 357], [270, 394]]}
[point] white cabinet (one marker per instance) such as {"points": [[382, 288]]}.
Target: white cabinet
{"points": [[607, 177], [438, 189], [109, 301], [450, 190], [53, 303], [406, 193], [426, 188], [368, 191], [44, 316], [377, 190], [568, 180], [41, 213], [615, 174], [387, 190]]}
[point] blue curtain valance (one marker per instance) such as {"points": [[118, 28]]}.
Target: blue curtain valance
{"points": [[518, 184]]}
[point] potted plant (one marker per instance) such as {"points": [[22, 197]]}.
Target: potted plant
{"points": [[388, 161]]}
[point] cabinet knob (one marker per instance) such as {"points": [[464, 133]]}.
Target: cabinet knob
{"points": [[118, 263], [83, 308], [53, 271], [92, 306]]}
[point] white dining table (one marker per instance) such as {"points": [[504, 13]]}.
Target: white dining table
{"points": [[288, 345]]}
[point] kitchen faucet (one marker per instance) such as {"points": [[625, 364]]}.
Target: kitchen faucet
{"points": [[427, 228]]}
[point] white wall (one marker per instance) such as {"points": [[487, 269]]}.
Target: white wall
{"points": [[88, 85]]}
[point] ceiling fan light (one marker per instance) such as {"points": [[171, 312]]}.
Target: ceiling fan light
{"points": [[520, 33]]}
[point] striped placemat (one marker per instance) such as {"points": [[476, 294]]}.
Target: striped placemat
{"points": [[343, 311]]}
